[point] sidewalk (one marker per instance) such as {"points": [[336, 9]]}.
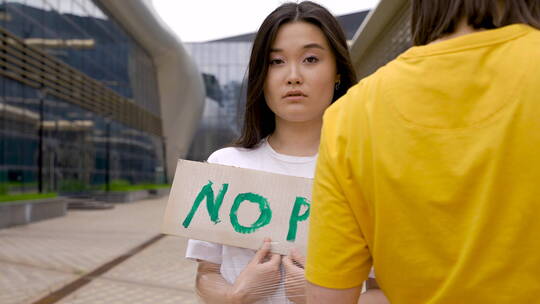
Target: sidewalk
{"points": [[42, 257]]}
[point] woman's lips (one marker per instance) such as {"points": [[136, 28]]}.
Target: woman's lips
{"points": [[295, 95]]}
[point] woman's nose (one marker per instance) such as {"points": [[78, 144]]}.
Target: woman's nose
{"points": [[294, 76], [297, 81]]}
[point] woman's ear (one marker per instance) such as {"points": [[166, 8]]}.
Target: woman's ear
{"points": [[337, 82]]}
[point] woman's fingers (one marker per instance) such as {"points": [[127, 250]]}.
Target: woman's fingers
{"points": [[292, 269], [275, 259], [287, 263], [263, 252], [297, 257]]}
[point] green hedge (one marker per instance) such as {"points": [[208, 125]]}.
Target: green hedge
{"points": [[26, 196], [123, 185], [72, 185], [6, 187], [116, 187]]}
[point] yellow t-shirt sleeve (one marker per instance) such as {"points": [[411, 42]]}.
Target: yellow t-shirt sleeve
{"points": [[337, 256]]}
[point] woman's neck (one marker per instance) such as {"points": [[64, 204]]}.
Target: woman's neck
{"points": [[462, 28], [296, 139]]}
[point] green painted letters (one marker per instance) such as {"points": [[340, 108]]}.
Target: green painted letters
{"points": [[264, 217], [211, 206], [296, 217]]}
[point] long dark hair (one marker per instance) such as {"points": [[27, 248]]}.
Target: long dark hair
{"points": [[259, 120], [432, 19]]}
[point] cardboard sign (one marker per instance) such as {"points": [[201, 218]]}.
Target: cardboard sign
{"points": [[238, 207]]}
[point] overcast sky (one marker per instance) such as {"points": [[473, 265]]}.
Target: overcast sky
{"points": [[203, 20]]}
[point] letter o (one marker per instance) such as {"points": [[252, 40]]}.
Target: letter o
{"points": [[264, 217]]}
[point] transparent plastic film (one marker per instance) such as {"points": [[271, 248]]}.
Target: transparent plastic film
{"points": [[264, 277]]}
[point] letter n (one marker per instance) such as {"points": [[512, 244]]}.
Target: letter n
{"points": [[211, 205]]}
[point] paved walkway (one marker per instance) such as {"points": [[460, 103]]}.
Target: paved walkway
{"points": [[40, 258]]}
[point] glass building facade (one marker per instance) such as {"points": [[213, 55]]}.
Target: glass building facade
{"points": [[79, 105], [224, 67]]}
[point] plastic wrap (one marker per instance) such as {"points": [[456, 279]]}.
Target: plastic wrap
{"points": [[246, 276]]}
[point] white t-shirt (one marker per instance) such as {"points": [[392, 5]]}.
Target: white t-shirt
{"points": [[233, 259]]}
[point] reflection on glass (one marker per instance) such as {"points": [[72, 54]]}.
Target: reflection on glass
{"points": [[51, 145], [224, 66]]}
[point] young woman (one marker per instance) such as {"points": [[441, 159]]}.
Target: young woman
{"points": [[299, 65]]}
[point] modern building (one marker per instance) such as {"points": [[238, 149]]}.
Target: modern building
{"points": [[382, 37], [92, 93], [224, 65]]}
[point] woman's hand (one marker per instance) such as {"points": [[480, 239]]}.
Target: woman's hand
{"points": [[259, 279], [295, 287], [373, 296]]}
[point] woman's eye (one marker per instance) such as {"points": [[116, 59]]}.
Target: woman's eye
{"points": [[275, 61], [311, 59]]}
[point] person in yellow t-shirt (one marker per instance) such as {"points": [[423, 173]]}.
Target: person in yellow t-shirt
{"points": [[429, 169]]}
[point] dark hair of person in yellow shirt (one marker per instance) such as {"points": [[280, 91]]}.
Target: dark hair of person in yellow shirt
{"points": [[433, 19]]}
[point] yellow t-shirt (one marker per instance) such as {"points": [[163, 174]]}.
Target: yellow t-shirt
{"points": [[429, 170]]}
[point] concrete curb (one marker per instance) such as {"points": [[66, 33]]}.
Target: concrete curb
{"points": [[159, 192], [25, 212], [122, 196]]}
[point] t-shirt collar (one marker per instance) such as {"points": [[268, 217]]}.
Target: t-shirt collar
{"points": [[284, 157]]}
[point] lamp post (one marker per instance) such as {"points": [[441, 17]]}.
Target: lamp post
{"points": [[107, 153], [41, 95], [164, 151]]}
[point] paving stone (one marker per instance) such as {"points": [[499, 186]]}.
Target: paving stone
{"points": [[23, 284], [162, 264], [107, 291], [83, 240], [39, 258]]}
